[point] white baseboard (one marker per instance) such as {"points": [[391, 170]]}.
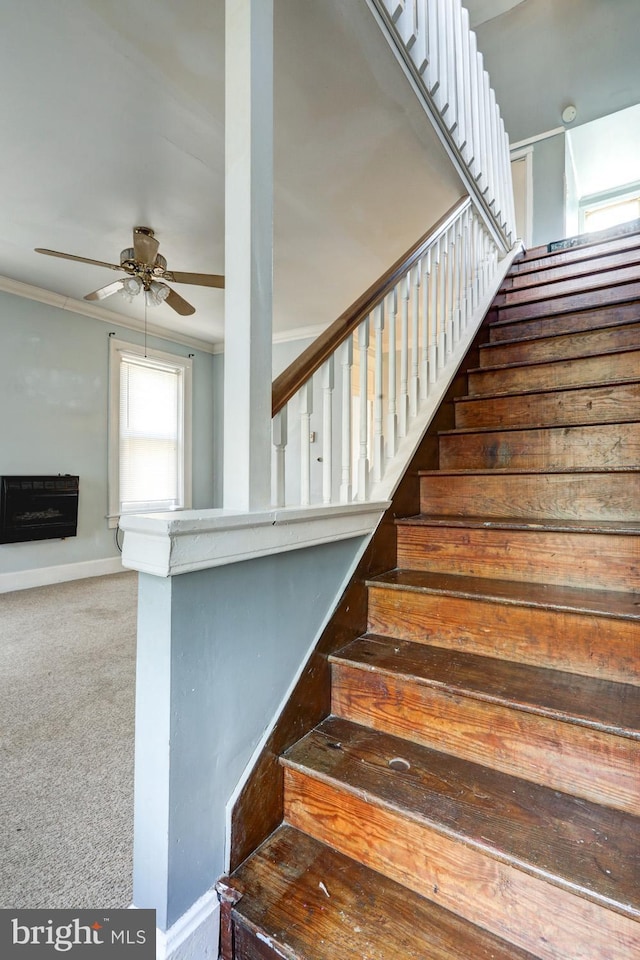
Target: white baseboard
{"points": [[195, 935], [43, 576]]}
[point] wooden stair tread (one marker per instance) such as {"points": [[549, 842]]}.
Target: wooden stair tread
{"points": [[605, 258], [582, 246], [551, 360], [517, 427], [605, 603], [586, 283], [610, 707], [553, 334], [574, 844], [361, 915], [599, 316], [631, 528], [495, 395]]}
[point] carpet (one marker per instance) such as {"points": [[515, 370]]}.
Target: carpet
{"points": [[67, 678]]}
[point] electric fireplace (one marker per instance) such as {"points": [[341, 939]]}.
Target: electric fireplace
{"points": [[38, 508]]}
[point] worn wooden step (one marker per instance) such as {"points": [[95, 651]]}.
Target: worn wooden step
{"points": [[551, 873], [572, 733], [581, 247], [600, 279], [298, 899], [576, 262], [603, 403], [591, 555], [590, 632], [586, 343], [554, 374], [571, 301], [563, 448], [532, 495], [571, 322]]}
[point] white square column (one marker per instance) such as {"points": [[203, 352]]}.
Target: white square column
{"points": [[248, 254]]}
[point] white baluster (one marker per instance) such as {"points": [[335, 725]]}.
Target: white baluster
{"points": [[279, 437], [327, 430], [363, 459], [419, 50], [455, 282], [346, 362], [414, 384], [442, 302], [448, 285], [469, 149], [433, 68], [424, 328], [392, 406], [378, 394], [306, 409], [403, 411], [434, 255]]}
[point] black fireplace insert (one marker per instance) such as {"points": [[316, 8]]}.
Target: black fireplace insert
{"points": [[38, 508]]}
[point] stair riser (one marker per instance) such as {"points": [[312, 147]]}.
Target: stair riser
{"points": [[567, 270], [565, 323], [609, 279], [579, 256], [553, 448], [523, 909], [605, 404], [565, 347], [554, 376], [591, 764], [600, 561], [594, 646], [570, 302], [545, 496]]}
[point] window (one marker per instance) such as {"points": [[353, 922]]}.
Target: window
{"points": [[609, 209], [149, 431]]}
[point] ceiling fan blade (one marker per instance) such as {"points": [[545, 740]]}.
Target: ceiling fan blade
{"points": [[107, 291], [202, 279], [71, 256], [179, 304], [145, 245]]}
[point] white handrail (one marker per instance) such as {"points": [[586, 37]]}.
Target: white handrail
{"points": [[439, 52], [354, 428]]}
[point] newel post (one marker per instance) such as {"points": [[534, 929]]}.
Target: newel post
{"points": [[248, 253]]}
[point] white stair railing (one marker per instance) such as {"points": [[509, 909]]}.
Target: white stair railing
{"points": [[439, 52], [338, 439]]}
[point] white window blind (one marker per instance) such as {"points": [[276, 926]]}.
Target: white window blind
{"points": [[150, 431]]}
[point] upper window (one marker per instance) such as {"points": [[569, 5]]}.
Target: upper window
{"points": [[149, 431]]}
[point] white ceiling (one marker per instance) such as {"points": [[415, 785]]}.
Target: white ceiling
{"points": [[112, 116]]}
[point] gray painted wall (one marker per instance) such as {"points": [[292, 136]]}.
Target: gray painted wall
{"points": [[54, 375], [216, 656], [548, 190]]}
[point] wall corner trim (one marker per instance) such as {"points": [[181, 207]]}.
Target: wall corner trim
{"points": [[195, 935]]}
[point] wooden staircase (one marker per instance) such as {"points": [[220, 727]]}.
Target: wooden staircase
{"points": [[475, 792]]}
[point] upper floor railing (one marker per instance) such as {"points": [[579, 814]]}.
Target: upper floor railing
{"points": [[439, 53]]}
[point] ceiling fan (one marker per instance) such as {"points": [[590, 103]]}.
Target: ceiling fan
{"points": [[146, 271]]}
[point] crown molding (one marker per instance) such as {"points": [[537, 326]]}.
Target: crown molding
{"points": [[96, 312]]}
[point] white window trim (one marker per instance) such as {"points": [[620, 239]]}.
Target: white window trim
{"points": [[118, 349]]}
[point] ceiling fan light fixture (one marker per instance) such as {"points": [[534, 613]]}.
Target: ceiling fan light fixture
{"points": [[131, 287], [156, 293]]}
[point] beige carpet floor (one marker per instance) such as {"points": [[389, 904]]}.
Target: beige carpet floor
{"points": [[67, 672]]}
